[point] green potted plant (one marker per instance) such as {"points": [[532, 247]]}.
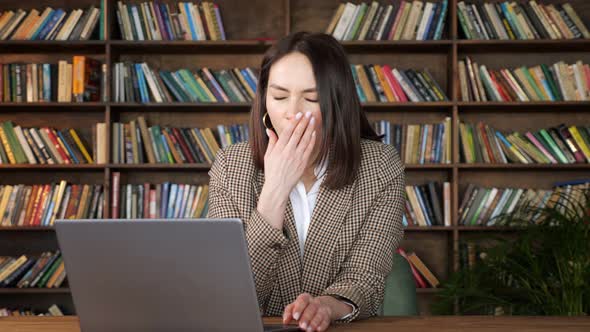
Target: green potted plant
{"points": [[543, 269]]}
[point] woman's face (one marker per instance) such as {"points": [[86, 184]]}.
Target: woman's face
{"points": [[292, 89]]}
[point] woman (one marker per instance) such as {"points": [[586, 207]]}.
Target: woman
{"points": [[320, 196]]}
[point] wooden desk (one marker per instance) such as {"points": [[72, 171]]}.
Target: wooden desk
{"points": [[406, 324]]}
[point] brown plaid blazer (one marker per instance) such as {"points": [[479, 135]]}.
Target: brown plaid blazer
{"points": [[353, 234]]}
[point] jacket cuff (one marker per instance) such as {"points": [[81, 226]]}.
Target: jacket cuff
{"points": [[266, 235], [349, 296]]}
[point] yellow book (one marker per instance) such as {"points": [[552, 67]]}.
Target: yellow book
{"points": [[4, 197], [81, 146], [12, 267], [205, 88], [78, 76], [202, 201], [335, 19], [244, 83], [57, 201], [55, 274], [580, 141], [213, 145], [417, 262], [7, 147], [386, 87]]}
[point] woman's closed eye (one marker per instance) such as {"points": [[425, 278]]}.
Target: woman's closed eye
{"points": [[310, 100]]}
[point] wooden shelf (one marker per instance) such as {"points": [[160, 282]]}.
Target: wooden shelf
{"points": [[61, 290], [72, 167], [206, 167], [53, 46], [561, 45], [437, 245]]}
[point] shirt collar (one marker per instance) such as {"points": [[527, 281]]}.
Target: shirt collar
{"points": [[320, 169]]}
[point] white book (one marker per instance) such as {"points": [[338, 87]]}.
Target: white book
{"points": [[370, 16], [151, 83], [380, 31], [496, 22], [350, 26], [344, 21], [424, 21], [405, 85], [25, 146]]}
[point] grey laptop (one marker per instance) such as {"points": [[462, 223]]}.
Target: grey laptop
{"points": [[161, 275]]}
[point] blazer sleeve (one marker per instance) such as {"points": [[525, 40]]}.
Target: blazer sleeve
{"points": [[361, 279], [265, 243]]}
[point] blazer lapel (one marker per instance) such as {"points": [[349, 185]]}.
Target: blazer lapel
{"points": [[290, 265], [327, 218]]}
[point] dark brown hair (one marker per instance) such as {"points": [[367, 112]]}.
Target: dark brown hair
{"points": [[344, 121]]}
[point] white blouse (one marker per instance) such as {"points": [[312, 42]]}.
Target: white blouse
{"points": [[303, 204]]}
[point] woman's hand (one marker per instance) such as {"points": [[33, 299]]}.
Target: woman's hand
{"points": [[313, 313], [285, 161]]}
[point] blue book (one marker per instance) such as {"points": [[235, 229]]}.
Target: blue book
{"points": [[441, 21], [359, 90], [172, 201], [248, 79], [423, 143], [50, 21], [178, 203], [164, 199], [46, 82], [422, 205], [68, 147], [430, 19], [191, 21], [143, 93], [167, 24], [167, 149], [170, 86]]}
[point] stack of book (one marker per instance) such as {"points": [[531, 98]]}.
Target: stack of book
{"points": [[46, 271], [418, 143], [43, 146], [52, 24], [161, 21], [428, 205], [136, 143], [488, 206], [401, 20], [376, 83], [53, 310], [82, 80], [511, 20], [470, 253], [137, 82], [561, 144], [423, 277], [166, 200], [557, 82], [40, 204]]}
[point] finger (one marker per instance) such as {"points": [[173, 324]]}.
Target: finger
{"points": [[272, 140], [308, 314], [307, 136], [309, 148], [300, 304], [288, 131], [288, 314], [298, 132], [324, 324], [319, 318]]}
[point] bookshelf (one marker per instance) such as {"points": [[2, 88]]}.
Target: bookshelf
{"points": [[249, 25]]}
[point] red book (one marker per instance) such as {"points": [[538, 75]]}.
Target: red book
{"points": [[115, 198], [183, 146], [503, 93], [397, 89], [56, 144], [486, 142], [420, 283]]}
